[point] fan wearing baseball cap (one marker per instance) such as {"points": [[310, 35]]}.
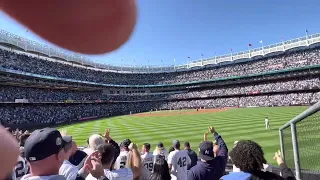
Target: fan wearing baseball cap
{"points": [[178, 161], [160, 151], [44, 152], [123, 156], [212, 163]]}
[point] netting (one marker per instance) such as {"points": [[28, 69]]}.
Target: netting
{"points": [[308, 136], [288, 148]]}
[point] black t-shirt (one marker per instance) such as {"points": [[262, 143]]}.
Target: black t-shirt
{"points": [[194, 158], [77, 157]]}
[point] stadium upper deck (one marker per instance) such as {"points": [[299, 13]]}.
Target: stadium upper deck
{"points": [[47, 51], [298, 53]]}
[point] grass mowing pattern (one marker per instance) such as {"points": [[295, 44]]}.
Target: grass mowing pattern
{"points": [[233, 124]]}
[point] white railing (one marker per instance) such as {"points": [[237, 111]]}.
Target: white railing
{"points": [[50, 51]]}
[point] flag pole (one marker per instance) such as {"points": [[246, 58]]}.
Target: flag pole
{"points": [[121, 64], [26, 41], [261, 42], [283, 43], [201, 59], [215, 57], [307, 34]]}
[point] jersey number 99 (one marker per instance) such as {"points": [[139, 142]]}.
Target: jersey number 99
{"points": [[149, 166]]}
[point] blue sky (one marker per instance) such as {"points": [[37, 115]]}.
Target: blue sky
{"points": [[177, 29]]}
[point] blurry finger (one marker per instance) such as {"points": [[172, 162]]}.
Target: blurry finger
{"points": [[95, 153], [94, 159], [88, 167], [85, 26], [275, 156], [9, 152]]}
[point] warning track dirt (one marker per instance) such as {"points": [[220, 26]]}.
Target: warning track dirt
{"points": [[177, 112]]}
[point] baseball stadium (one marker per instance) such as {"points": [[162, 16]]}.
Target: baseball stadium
{"points": [[178, 102], [258, 106]]}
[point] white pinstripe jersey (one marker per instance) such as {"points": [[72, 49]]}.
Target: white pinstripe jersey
{"points": [[179, 159], [20, 169], [68, 170], [148, 160], [120, 174], [121, 160]]}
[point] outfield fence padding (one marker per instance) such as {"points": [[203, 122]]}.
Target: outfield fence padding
{"points": [[299, 141]]}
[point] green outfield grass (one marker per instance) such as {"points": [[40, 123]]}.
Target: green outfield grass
{"points": [[233, 124]]}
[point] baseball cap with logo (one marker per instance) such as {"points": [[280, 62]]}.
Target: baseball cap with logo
{"points": [[206, 150], [43, 143]]}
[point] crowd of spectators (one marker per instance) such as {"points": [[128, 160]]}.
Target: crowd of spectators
{"points": [[51, 154], [11, 93], [24, 63], [57, 113], [254, 89], [247, 101], [315, 98]]}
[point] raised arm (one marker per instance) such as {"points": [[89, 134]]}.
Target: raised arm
{"points": [[109, 140], [136, 165], [285, 172], [223, 149]]}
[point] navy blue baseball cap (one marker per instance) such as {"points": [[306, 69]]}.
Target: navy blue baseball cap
{"points": [[43, 143], [160, 145], [176, 144], [206, 150], [125, 143]]}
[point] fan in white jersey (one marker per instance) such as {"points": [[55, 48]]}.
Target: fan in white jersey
{"points": [[123, 156], [20, 169], [107, 154], [178, 161], [160, 151], [147, 157]]}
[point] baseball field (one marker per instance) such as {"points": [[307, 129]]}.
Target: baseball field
{"points": [[189, 125]]}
